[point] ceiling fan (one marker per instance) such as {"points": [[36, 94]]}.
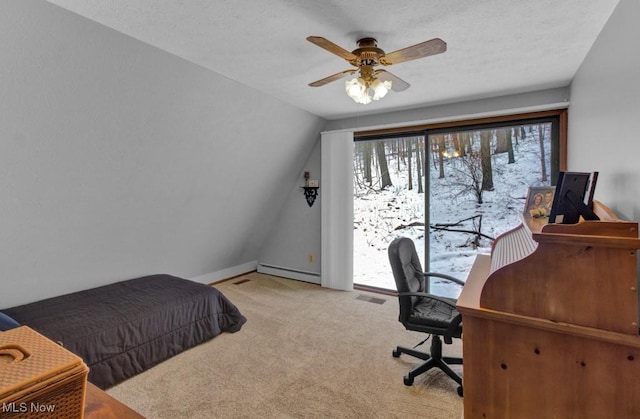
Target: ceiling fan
{"points": [[372, 83]]}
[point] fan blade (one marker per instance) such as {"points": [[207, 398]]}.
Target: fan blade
{"points": [[421, 50], [397, 84], [331, 47], [329, 79]]}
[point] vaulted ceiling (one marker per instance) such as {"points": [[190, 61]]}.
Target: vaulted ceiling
{"points": [[494, 47]]}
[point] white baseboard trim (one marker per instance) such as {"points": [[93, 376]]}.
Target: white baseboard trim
{"points": [[227, 273], [290, 273]]}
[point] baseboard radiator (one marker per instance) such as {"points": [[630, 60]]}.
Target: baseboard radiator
{"points": [[290, 273]]}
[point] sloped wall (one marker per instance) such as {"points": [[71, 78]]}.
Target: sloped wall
{"points": [[119, 160], [292, 248]]}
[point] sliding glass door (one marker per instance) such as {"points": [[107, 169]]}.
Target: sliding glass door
{"points": [[389, 200], [451, 189], [478, 181]]}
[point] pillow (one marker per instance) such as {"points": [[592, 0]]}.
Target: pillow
{"points": [[7, 323]]}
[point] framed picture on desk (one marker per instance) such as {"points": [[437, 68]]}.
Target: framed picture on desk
{"points": [[539, 201]]}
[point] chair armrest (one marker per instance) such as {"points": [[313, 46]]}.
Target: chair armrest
{"points": [[444, 276], [455, 323]]}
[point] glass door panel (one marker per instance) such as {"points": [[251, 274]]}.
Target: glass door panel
{"points": [[389, 201], [478, 183]]}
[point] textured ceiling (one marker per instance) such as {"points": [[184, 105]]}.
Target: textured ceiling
{"points": [[495, 47]]}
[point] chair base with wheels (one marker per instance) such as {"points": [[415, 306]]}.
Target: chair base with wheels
{"points": [[434, 360]]}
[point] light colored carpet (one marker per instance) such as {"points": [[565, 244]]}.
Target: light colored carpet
{"points": [[305, 352]]}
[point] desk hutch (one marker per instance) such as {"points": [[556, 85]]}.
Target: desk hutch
{"points": [[551, 322]]}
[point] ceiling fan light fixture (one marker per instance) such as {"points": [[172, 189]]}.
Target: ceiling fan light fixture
{"points": [[380, 88], [356, 88], [364, 99], [364, 92]]}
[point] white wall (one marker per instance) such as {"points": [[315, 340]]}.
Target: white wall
{"points": [[604, 116], [118, 159], [292, 248]]}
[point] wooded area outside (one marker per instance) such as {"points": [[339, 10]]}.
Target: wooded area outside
{"points": [[477, 184]]}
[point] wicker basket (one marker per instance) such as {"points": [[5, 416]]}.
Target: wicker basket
{"points": [[39, 378]]}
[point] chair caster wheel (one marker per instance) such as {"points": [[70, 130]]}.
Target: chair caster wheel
{"points": [[460, 391], [408, 381], [395, 353]]}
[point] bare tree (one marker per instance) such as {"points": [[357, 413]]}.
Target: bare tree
{"points": [[465, 143], [457, 146], [408, 143], [543, 165], [472, 173], [512, 158], [419, 163], [485, 158], [366, 155], [502, 145], [382, 163], [441, 151], [433, 145], [517, 134]]}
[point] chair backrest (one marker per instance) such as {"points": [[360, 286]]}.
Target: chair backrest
{"points": [[407, 272]]}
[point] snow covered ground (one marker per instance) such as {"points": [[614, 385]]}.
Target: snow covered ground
{"points": [[378, 214]]}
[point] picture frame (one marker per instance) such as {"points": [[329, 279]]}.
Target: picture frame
{"points": [[539, 201]]}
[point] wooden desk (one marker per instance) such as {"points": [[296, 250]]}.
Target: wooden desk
{"points": [[99, 405], [551, 324]]}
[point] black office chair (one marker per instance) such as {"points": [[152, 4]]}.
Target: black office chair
{"points": [[423, 312]]}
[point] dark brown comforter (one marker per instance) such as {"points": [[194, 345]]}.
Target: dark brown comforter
{"points": [[124, 328]]}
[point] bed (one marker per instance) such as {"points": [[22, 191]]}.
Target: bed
{"points": [[124, 328]]}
